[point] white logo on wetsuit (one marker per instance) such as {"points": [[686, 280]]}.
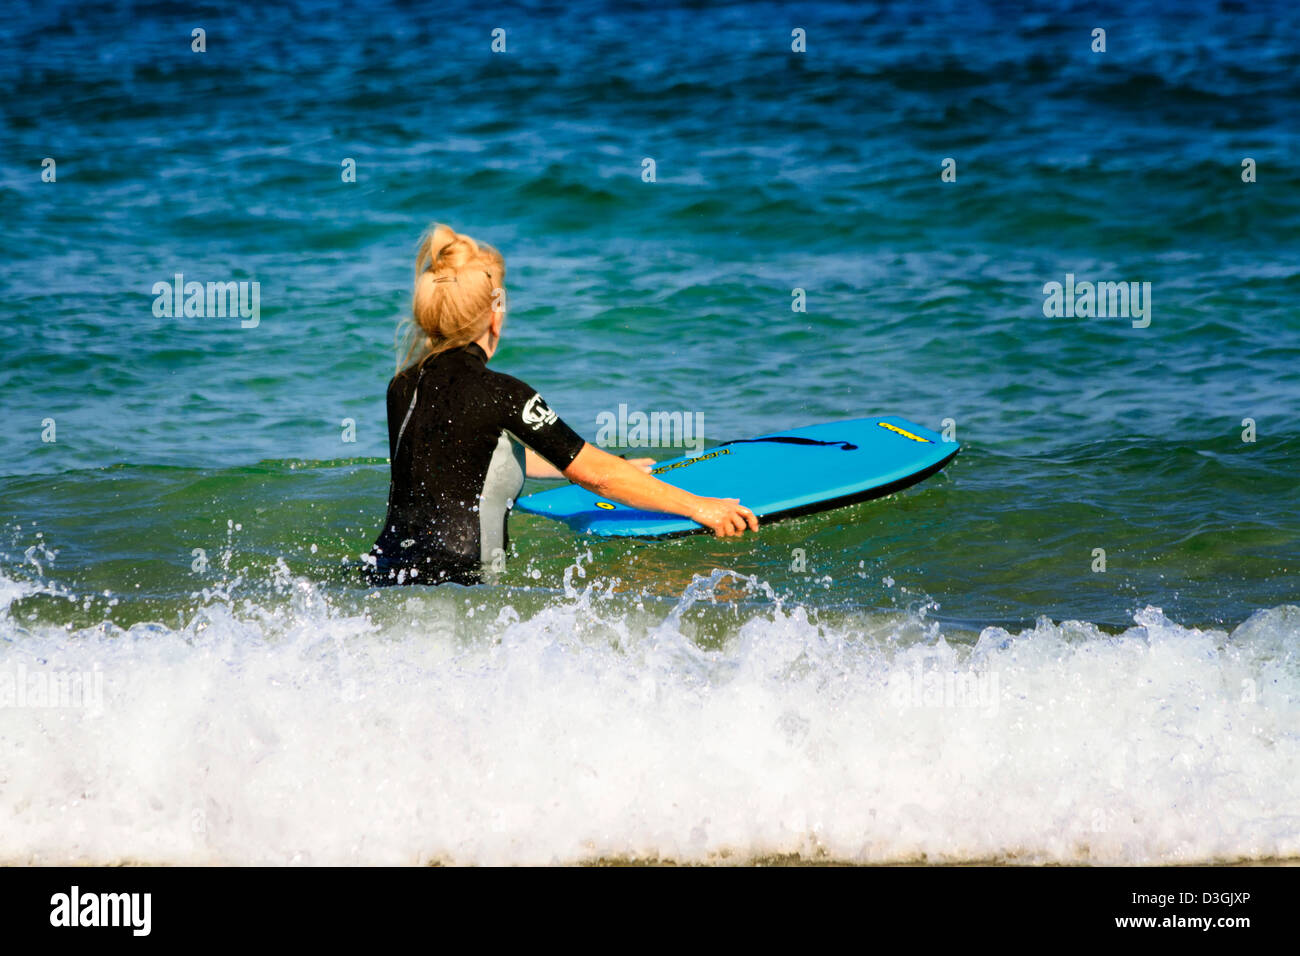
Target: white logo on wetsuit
{"points": [[537, 414]]}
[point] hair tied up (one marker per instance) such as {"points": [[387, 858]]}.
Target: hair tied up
{"points": [[441, 318]]}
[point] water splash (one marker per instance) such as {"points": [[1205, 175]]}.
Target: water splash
{"points": [[563, 728]]}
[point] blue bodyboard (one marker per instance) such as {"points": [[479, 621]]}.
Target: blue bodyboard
{"points": [[788, 473]]}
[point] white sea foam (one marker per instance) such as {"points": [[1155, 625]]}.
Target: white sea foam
{"points": [[407, 731]]}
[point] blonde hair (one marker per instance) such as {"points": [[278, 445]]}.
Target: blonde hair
{"points": [[458, 282]]}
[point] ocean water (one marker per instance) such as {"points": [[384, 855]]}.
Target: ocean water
{"points": [[190, 670]]}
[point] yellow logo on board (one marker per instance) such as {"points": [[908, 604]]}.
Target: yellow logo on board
{"points": [[690, 461], [605, 504], [904, 432]]}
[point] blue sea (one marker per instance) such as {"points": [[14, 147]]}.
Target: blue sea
{"points": [[1079, 643]]}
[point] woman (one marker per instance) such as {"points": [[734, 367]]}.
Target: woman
{"points": [[461, 437]]}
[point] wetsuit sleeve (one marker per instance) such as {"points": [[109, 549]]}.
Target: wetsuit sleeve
{"points": [[527, 417]]}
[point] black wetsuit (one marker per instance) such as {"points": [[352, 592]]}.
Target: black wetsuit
{"points": [[454, 434]]}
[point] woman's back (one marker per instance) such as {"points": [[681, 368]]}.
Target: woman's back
{"points": [[456, 431]]}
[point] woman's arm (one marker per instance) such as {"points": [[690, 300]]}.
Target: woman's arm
{"points": [[612, 477], [535, 466]]}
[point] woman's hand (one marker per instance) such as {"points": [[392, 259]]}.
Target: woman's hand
{"points": [[644, 464], [725, 517]]}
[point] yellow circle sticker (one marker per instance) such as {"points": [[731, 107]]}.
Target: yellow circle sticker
{"points": [[605, 504]]}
